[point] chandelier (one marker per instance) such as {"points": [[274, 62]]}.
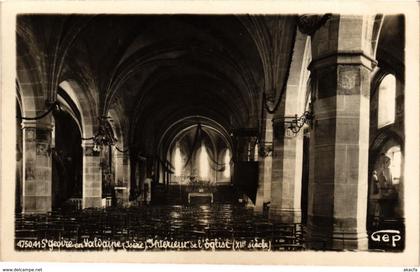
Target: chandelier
{"points": [[104, 136]]}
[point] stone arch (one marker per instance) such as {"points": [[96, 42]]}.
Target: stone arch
{"points": [[390, 44], [170, 133], [384, 135], [29, 80], [68, 121], [376, 30], [92, 172], [29, 91], [377, 77], [210, 136], [85, 104], [19, 98], [67, 104]]}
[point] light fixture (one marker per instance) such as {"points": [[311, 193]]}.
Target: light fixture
{"points": [[295, 123], [104, 136]]}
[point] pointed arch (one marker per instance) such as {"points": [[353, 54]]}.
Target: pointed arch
{"points": [[86, 105]]}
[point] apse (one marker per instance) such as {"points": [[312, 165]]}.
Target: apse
{"points": [[200, 152]]}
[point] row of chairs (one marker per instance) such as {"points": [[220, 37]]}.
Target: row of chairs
{"points": [[134, 224]]}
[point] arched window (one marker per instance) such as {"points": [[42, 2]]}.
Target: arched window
{"points": [[178, 162], [395, 154], [226, 160], [204, 163], [257, 147], [386, 101]]}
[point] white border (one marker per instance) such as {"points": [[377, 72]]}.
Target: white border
{"points": [[409, 257]]}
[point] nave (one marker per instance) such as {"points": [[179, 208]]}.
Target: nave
{"points": [[271, 121]]}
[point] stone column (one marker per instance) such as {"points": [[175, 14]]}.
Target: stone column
{"points": [[265, 166], [92, 177], [37, 166], [286, 184], [341, 67], [244, 171], [288, 147], [122, 178]]}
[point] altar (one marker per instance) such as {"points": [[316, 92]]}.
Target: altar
{"points": [[200, 194], [199, 188]]}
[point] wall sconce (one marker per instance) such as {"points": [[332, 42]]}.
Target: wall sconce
{"points": [[295, 123]]}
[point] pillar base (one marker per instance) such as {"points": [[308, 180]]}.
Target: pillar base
{"points": [[36, 204], [319, 238], [92, 202], [122, 194], [258, 209], [285, 215]]}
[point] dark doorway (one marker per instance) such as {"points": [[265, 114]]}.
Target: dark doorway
{"points": [[66, 161]]}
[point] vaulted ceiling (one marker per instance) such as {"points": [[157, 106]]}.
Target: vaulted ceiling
{"points": [[391, 44], [163, 68]]}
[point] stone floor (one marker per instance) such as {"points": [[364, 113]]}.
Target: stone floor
{"points": [[202, 227]]}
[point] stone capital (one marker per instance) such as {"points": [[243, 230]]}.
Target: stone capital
{"points": [[88, 149], [350, 57], [35, 124], [308, 23], [87, 144], [121, 155], [266, 149]]}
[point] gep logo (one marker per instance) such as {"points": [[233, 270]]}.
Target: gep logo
{"points": [[390, 237]]}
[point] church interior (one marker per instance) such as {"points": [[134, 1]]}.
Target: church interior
{"points": [[288, 128]]}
